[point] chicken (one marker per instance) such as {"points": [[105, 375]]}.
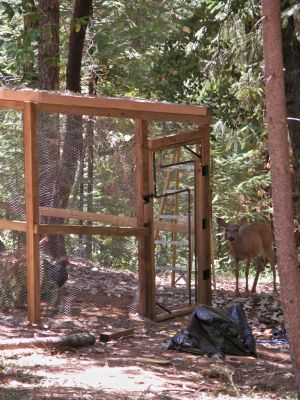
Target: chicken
{"points": [[56, 271], [2, 247]]}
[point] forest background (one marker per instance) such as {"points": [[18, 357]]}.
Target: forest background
{"points": [[203, 52]]}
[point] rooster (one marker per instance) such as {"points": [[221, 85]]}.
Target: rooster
{"points": [[2, 247], [56, 271], [54, 276]]}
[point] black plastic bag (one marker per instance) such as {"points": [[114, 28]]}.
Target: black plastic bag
{"points": [[215, 331]]}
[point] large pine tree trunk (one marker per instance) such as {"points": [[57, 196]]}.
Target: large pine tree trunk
{"points": [[48, 55], [281, 177], [291, 54], [73, 142], [48, 67]]}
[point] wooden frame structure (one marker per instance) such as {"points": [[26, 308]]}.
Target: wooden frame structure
{"points": [[30, 103]]}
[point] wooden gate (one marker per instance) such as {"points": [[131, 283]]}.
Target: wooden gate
{"points": [[180, 210]]}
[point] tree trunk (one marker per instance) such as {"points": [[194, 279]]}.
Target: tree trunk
{"points": [[74, 131], [83, 10], [291, 54], [48, 67], [281, 177], [48, 54], [90, 166], [30, 24]]}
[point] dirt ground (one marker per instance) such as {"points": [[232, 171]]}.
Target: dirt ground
{"points": [[140, 366]]}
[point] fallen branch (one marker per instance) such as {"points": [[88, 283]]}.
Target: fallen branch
{"points": [[79, 339]]}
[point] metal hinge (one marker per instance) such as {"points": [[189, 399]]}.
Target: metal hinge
{"points": [[204, 170], [206, 274]]}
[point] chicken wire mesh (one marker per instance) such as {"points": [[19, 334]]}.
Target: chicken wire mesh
{"points": [[174, 250], [87, 176], [88, 274], [12, 195], [85, 165]]}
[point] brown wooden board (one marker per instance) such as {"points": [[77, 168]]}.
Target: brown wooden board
{"points": [[114, 335], [117, 107], [92, 230], [176, 139], [145, 218], [32, 212]]}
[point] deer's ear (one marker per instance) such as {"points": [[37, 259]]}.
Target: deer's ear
{"points": [[221, 222], [243, 221]]}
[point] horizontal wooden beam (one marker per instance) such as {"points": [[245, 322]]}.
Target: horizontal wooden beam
{"points": [[89, 216], [200, 120], [118, 220], [11, 104], [13, 225], [91, 230], [176, 139], [109, 106], [109, 219]]}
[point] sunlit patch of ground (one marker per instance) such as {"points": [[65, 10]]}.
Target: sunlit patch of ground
{"points": [[129, 368]]}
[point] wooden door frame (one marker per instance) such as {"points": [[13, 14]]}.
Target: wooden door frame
{"points": [[202, 218]]}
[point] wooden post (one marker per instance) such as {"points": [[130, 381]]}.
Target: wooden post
{"points": [[175, 211], [203, 222], [32, 211], [144, 191], [206, 167]]}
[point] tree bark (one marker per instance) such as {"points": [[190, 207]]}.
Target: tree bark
{"points": [[48, 68], [79, 339], [90, 164], [83, 10], [281, 177], [73, 141], [291, 54], [48, 49]]}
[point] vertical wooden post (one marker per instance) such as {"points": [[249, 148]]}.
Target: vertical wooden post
{"points": [[206, 171], [199, 232], [32, 211], [203, 222], [144, 182]]}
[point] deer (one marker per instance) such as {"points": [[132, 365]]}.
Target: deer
{"points": [[250, 242]]}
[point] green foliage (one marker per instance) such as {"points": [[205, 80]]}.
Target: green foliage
{"points": [[189, 51]]}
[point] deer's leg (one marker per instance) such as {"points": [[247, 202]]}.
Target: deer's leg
{"points": [[259, 267], [274, 277], [247, 274], [237, 272], [272, 260]]}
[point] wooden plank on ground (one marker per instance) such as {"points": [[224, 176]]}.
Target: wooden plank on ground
{"points": [[241, 359], [148, 360], [175, 313], [117, 334]]}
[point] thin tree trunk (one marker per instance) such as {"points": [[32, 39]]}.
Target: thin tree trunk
{"points": [[90, 165], [49, 131], [30, 23], [281, 177], [74, 136], [48, 54], [83, 10], [291, 54]]}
